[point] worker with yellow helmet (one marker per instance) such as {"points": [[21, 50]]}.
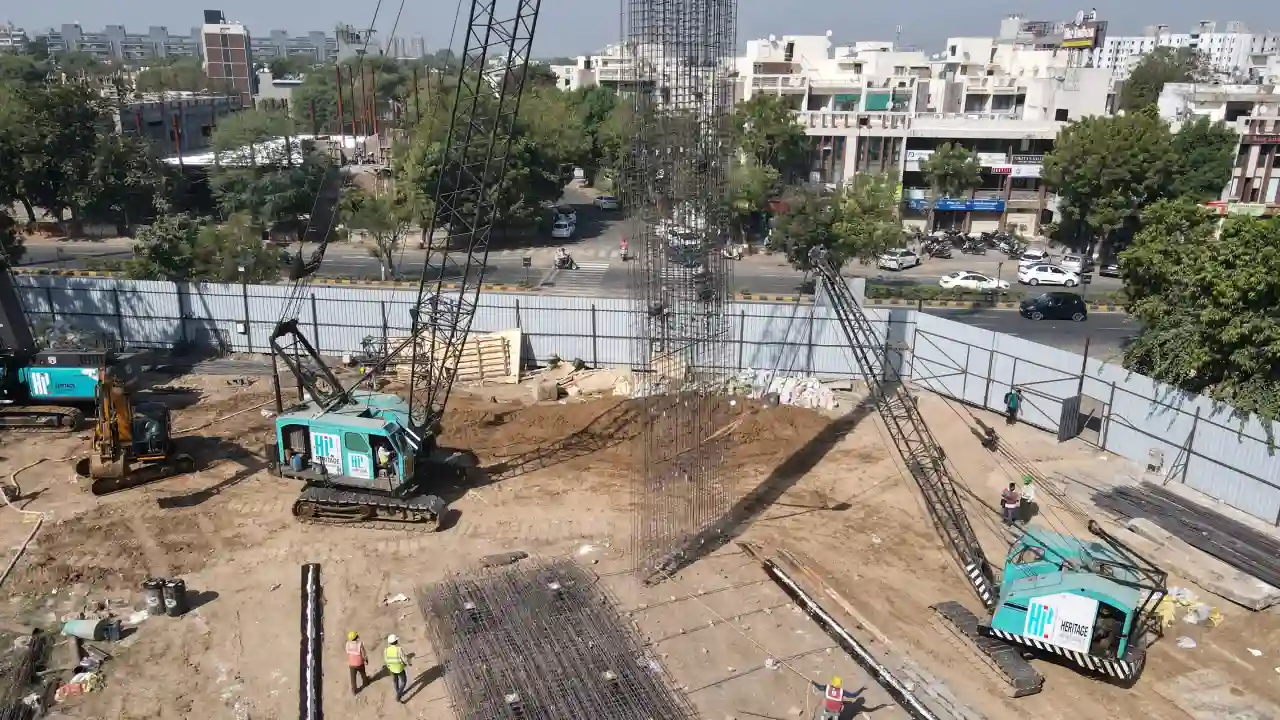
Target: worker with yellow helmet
{"points": [[834, 696], [356, 661]]}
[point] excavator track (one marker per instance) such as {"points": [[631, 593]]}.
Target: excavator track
{"points": [[318, 505], [129, 477], [998, 658], [41, 418]]}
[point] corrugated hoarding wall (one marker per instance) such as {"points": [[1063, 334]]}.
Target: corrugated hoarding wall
{"points": [[1183, 438]]}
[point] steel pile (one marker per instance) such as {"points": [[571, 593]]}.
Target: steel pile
{"points": [[310, 695], [674, 189], [542, 641]]}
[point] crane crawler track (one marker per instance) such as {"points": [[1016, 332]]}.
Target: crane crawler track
{"points": [[41, 418], [319, 505], [998, 658]]}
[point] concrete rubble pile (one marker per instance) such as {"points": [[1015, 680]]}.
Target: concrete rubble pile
{"points": [[800, 391]]}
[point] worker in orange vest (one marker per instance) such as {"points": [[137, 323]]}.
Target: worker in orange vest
{"points": [[834, 696], [356, 661]]}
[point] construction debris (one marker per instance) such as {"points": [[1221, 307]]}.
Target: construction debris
{"points": [[798, 391]]}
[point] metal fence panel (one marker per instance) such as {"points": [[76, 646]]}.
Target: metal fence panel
{"points": [[1190, 438]]}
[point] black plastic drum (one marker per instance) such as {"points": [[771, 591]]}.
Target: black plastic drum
{"points": [[175, 598], [153, 593]]}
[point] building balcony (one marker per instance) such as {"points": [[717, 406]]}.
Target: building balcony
{"points": [[993, 84], [848, 82], [837, 120], [780, 83]]}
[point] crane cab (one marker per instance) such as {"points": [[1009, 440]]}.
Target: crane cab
{"points": [[361, 446], [1074, 598], [152, 431]]}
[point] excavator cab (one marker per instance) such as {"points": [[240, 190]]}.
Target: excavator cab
{"points": [[151, 431]]}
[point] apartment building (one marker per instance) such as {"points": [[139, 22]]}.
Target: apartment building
{"points": [[613, 68], [315, 46], [116, 44], [228, 57], [1254, 112], [13, 39], [1236, 54], [870, 107]]}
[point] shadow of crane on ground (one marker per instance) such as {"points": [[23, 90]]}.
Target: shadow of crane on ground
{"points": [[784, 477], [205, 451]]}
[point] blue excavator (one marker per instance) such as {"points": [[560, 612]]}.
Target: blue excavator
{"points": [[49, 388], [368, 458], [1086, 602]]}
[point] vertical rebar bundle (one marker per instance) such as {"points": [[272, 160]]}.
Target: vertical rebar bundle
{"points": [[675, 191], [542, 641]]}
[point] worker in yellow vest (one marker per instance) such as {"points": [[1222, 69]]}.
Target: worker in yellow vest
{"points": [[396, 661], [356, 661]]}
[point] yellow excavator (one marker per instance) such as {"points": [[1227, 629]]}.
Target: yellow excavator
{"points": [[132, 443]]}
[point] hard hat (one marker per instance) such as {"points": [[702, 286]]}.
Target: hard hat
{"points": [[353, 635], [1027, 479], [392, 639], [835, 681]]}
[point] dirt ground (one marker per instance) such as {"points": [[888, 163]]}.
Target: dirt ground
{"points": [[559, 485]]}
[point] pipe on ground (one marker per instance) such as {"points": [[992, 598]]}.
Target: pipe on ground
{"points": [[310, 694], [881, 674]]}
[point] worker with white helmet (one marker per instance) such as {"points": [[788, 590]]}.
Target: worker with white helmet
{"points": [[396, 661]]}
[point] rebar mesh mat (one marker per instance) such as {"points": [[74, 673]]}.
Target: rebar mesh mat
{"points": [[542, 640]]}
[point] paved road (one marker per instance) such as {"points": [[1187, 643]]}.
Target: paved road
{"points": [[596, 249], [1106, 333]]}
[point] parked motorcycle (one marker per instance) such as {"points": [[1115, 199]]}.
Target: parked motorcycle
{"points": [[732, 252], [973, 247], [936, 248]]}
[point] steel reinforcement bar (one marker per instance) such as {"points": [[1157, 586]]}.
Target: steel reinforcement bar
{"points": [[540, 640], [310, 695]]}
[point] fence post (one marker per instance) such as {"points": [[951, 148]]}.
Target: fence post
{"points": [[1111, 399], [53, 311], [742, 336], [1084, 367], [182, 313], [115, 296], [1190, 448], [809, 348], [518, 324], [595, 352], [315, 323], [248, 324], [991, 369], [386, 332]]}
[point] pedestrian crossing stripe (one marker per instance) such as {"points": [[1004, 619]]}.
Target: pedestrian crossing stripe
{"points": [[588, 265]]}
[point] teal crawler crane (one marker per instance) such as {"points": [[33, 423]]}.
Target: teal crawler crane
{"points": [[1086, 602]]}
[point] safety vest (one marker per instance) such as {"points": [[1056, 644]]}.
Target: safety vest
{"points": [[834, 701], [394, 659], [355, 654]]}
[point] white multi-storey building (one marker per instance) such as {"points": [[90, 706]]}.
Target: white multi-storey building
{"points": [[1235, 54], [1254, 112], [13, 39]]}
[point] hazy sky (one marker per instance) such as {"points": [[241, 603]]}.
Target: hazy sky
{"points": [[571, 27]]}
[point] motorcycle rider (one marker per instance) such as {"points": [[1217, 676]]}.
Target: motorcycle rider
{"points": [[563, 260], [623, 246]]}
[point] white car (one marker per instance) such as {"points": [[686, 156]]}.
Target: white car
{"points": [[1074, 263], [969, 280], [562, 229], [1047, 275], [606, 202], [1033, 257], [897, 259]]}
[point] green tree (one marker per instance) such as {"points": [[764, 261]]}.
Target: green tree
{"points": [[1203, 153], [1156, 68], [178, 247], [594, 106], [382, 78], [385, 220], [1105, 170], [290, 66], [12, 248], [263, 171], [1206, 295], [184, 75], [126, 184], [750, 189], [858, 222], [952, 172], [23, 69], [545, 144], [765, 129]]}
